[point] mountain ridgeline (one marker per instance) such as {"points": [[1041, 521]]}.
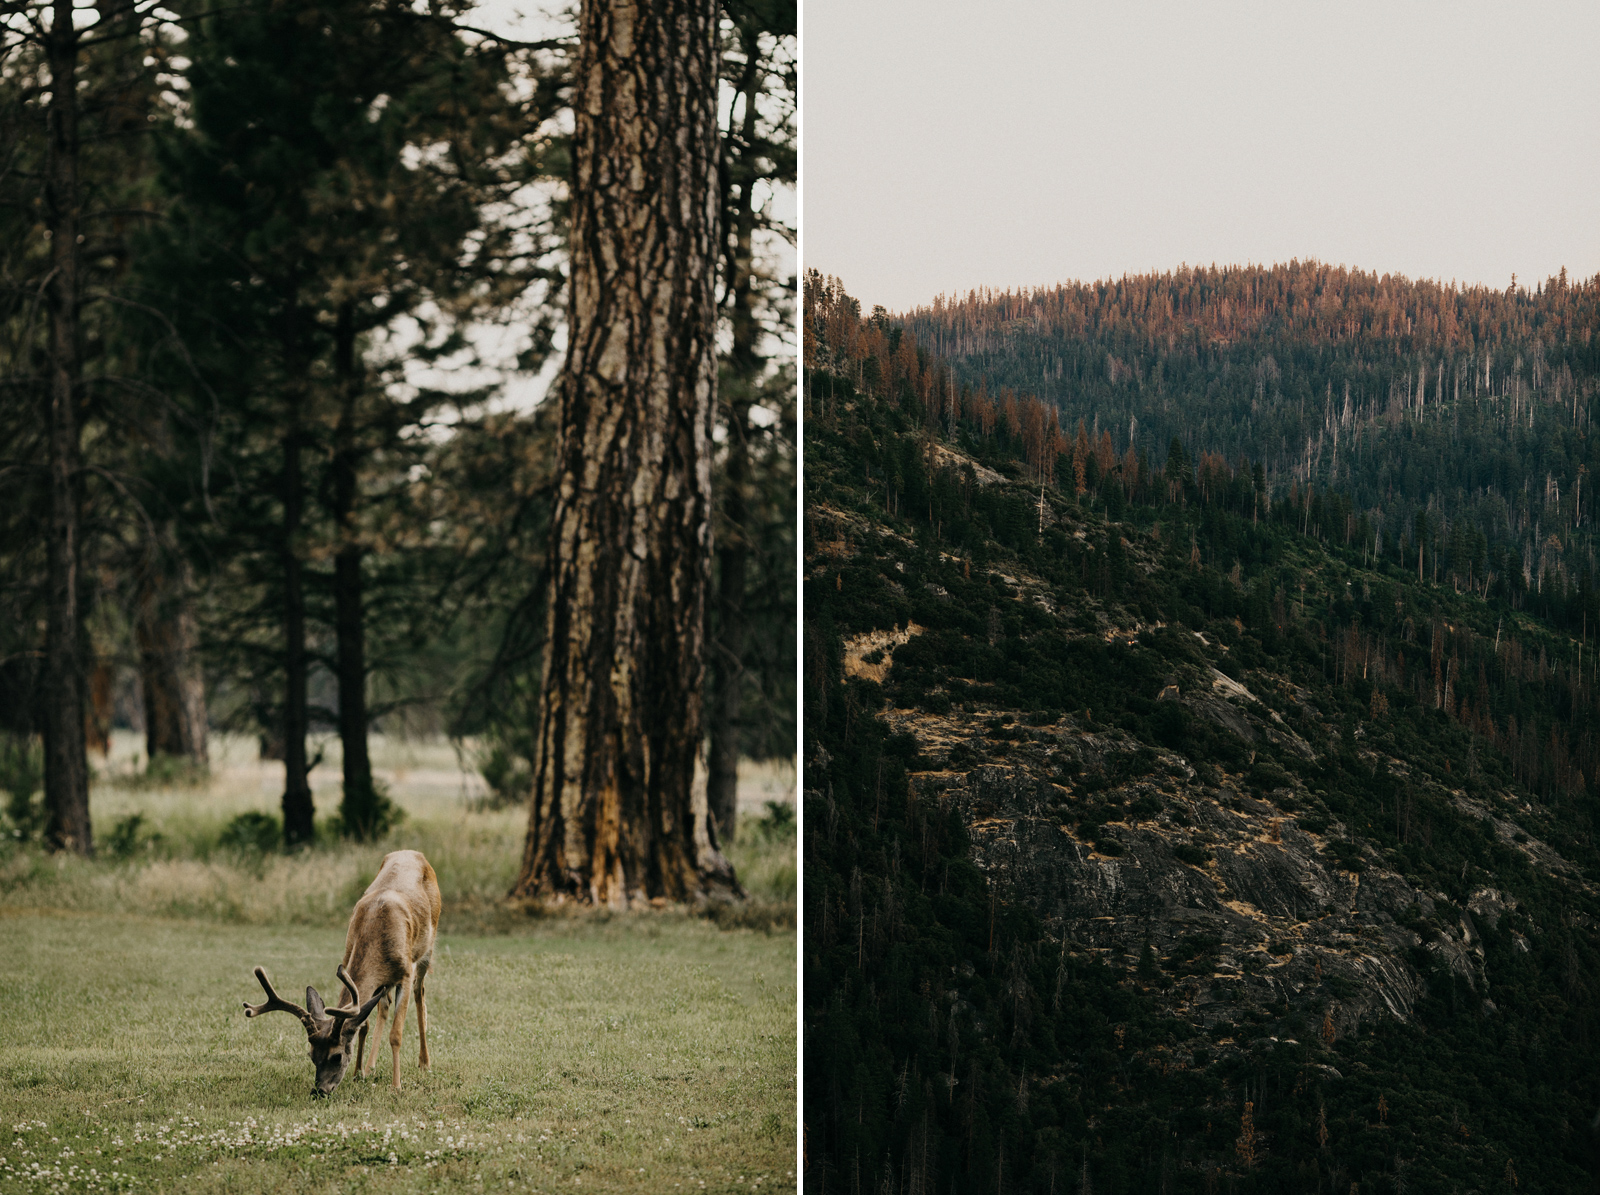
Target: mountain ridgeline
{"points": [[1174, 826], [1469, 407]]}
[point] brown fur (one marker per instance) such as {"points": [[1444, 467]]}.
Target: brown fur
{"points": [[387, 951], [390, 945]]}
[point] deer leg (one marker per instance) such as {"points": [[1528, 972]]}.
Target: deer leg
{"points": [[381, 1015], [422, 1016], [361, 1049], [398, 1028]]}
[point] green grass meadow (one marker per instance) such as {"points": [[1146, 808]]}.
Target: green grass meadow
{"points": [[648, 1051]]}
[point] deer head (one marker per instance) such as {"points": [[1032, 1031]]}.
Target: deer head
{"points": [[330, 1031]]}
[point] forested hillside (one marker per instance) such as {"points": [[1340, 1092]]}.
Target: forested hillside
{"points": [[1161, 833], [1456, 419]]}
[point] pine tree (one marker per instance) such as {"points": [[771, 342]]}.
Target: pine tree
{"points": [[75, 95], [305, 222], [757, 152], [616, 814], [1245, 1147]]}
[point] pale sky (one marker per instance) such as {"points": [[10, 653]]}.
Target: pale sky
{"points": [[499, 344], [950, 144]]}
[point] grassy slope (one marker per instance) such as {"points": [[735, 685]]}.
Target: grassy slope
{"points": [[649, 1051], [639, 1054], [175, 867]]}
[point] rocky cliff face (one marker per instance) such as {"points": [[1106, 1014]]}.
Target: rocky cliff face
{"points": [[1255, 915]]}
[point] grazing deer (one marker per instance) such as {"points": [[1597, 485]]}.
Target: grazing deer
{"points": [[387, 951]]}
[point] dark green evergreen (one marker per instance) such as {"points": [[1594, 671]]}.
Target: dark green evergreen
{"points": [[306, 221], [954, 1041]]}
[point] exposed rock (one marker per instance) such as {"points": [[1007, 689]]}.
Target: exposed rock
{"points": [[1248, 911], [959, 461], [1488, 905], [881, 643]]}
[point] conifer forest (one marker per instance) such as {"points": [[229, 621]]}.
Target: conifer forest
{"points": [[282, 284], [1202, 699]]}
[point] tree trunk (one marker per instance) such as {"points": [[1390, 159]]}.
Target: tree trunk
{"points": [[727, 657], [359, 809], [298, 811], [169, 671], [722, 782], [618, 810], [66, 774]]}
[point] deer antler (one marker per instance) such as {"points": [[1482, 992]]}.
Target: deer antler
{"points": [[360, 1014], [349, 986], [276, 1003]]}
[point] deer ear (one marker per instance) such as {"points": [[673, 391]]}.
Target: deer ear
{"points": [[314, 1004]]}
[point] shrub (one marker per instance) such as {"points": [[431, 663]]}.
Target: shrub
{"points": [[1264, 776], [253, 832], [507, 774], [1193, 855], [368, 816], [166, 771], [22, 779], [775, 826], [1146, 806], [1342, 987], [128, 835], [961, 757], [1346, 854]]}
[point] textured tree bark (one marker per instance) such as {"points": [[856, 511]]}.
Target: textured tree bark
{"points": [[618, 810], [66, 766], [298, 811], [169, 671], [359, 809]]}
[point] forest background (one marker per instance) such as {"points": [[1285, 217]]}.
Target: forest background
{"points": [[302, 263]]}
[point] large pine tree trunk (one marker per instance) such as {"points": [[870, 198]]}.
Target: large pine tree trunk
{"points": [[169, 669], [66, 767], [618, 810], [359, 809], [298, 811]]}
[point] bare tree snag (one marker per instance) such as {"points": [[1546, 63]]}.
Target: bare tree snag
{"points": [[618, 811]]}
